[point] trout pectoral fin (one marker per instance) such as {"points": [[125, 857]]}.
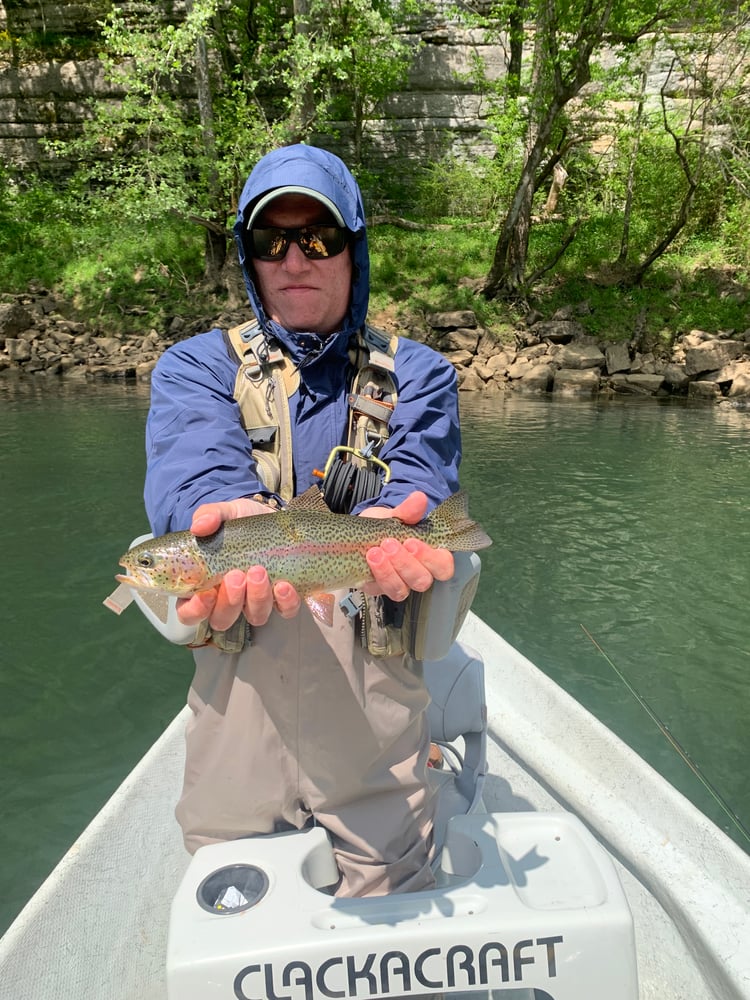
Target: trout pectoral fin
{"points": [[321, 607]]}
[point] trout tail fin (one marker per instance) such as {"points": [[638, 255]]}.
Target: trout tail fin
{"points": [[450, 526]]}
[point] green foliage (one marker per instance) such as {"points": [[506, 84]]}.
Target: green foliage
{"points": [[451, 188], [372, 59], [29, 240], [105, 261], [659, 186], [735, 234], [568, 92], [22, 45], [149, 270], [147, 146], [332, 64], [125, 274], [273, 78], [40, 46], [421, 271]]}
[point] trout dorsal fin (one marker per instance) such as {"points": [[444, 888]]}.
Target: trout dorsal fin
{"points": [[310, 500]]}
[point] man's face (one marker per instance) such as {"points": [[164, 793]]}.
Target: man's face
{"points": [[300, 294]]}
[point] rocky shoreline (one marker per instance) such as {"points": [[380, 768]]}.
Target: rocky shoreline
{"points": [[38, 338], [557, 356]]}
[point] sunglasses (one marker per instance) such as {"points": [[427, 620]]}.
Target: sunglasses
{"points": [[315, 242]]}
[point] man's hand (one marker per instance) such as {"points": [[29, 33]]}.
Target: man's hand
{"points": [[399, 567], [238, 592]]}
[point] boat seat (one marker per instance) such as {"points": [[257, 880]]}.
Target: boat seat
{"points": [[457, 712]]}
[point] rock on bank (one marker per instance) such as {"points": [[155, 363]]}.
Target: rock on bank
{"points": [[39, 338]]}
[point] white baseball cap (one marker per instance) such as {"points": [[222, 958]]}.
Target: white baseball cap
{"points": [[275, 193]]}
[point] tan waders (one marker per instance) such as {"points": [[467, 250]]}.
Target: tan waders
{"points": [[306, 725]]}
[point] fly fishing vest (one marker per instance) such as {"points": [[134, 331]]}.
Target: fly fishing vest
{"points": [[267, 379], [265, 382]]}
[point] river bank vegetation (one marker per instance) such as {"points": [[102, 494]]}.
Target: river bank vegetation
{"points": [[611, 182], [120, 276]]}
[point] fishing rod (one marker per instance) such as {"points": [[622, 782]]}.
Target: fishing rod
{"points": [[675, 743]]}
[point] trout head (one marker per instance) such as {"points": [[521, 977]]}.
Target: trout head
{"points": [[171, 564]]}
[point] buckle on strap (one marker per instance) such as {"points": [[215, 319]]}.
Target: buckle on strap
{"points": [[378, 345], [376, 340], [377, 409], [260, 353], [349, 606]]}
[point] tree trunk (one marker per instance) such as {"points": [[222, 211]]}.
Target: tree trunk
{"points": [[550, 91], [304, 113], [516, 35], [683, 214], [559, 177], [509, 262], [216, 243], [630, 184]]}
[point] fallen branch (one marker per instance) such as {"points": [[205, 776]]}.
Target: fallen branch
{"points": [[399, 223]]}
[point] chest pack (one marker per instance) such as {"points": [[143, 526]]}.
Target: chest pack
{"points": [[266, 381]]}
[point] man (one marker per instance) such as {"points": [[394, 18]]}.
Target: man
{"points": [[304, 724]]}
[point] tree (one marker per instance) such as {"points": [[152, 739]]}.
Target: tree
{"points": [[204, 96], [216, 245], [373, 58], [568, 39]]}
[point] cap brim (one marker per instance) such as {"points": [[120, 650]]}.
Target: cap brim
{"points": [[275, 193]]}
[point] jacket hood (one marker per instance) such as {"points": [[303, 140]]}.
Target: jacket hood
{"points": [[319, 172]]}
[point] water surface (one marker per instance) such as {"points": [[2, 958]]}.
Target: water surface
{"points": [[632, 519], [629, 518]]}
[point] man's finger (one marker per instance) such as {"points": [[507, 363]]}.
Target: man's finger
{"points": [[286, 599], [411, 570], [258, 596], [229, 601], [196, 609], [399, 568], [412, 510], [209, 517], [386, 580], [439, 562]]}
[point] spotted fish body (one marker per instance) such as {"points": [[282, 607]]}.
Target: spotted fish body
{"points": [[316, 551]]}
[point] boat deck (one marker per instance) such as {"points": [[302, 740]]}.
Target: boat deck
{"points": [[97, 927]]}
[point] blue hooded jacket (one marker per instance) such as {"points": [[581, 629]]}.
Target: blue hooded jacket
{"points": [[197, 450]]}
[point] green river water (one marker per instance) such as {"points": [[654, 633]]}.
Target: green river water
{"points": [[631, 518]]}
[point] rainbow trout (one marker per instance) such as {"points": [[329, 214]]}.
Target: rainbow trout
{"points": [[315, 550]]}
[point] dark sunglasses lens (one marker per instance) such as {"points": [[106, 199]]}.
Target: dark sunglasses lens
{"points": [[269, 244], [315, 242]]}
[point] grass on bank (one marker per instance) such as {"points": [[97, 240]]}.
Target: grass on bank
{"points": [[110, 268], [692, 288], [130, 275]]}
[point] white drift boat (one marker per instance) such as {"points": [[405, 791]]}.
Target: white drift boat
{"points": [[586, 866]]}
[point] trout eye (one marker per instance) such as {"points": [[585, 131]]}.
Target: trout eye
{"points": [[146, 561]]}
